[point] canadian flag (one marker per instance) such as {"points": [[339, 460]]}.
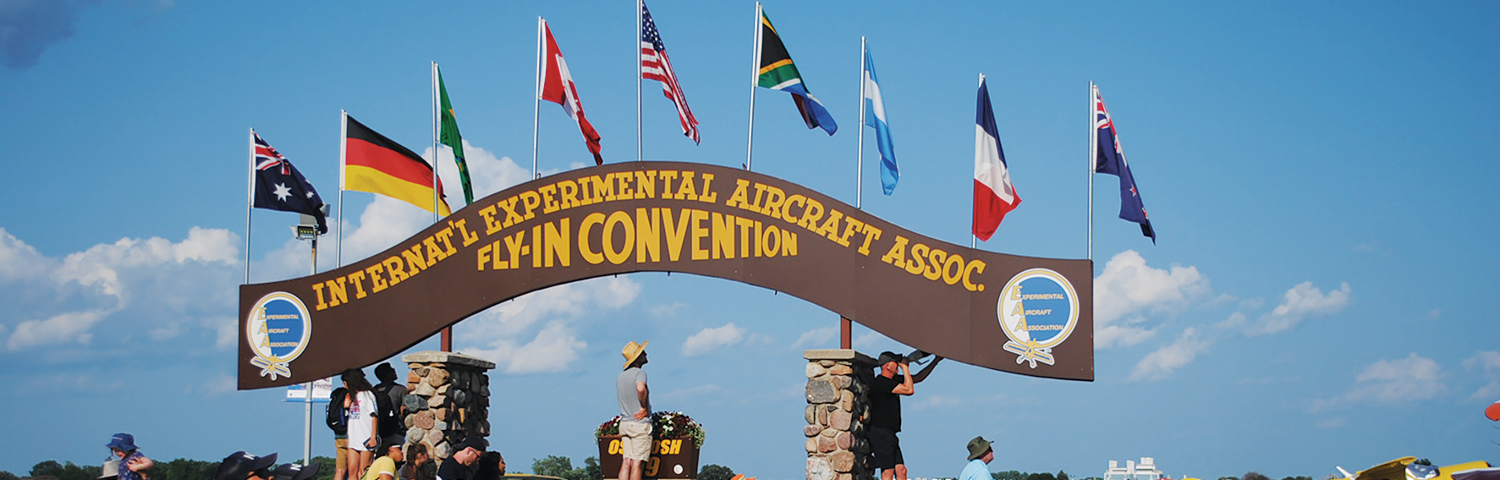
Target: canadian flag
{"points": [[994, 196], [557, 87]]}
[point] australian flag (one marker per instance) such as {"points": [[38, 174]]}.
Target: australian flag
{"points": [[279, 186], [1110, 159]]}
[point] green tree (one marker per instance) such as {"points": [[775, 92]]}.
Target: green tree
{"points": [[1041, 476], [1298, 478], [46, 467], [183, 469], [67, 471], [1229, 478], [591, 469], [4, 475], [562, 467], [1011, 475], [1254, 476], [715, 472], [326, 467], [553, 465], [1061, 475]]}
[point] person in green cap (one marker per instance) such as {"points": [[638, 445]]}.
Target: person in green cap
{"points": [[980, 456]]}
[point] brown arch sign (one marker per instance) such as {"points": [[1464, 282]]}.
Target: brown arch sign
{"points": [[1025, 315]]}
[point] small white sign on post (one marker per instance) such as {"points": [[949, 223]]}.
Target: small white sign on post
{"points": [[322, 390]]}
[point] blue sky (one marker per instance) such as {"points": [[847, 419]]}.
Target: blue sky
{"points": [[1318, 173]]}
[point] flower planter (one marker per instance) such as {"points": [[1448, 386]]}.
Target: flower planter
{"points": [[671, 459]]}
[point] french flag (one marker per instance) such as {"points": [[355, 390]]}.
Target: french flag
{"points": [[994, 196]]}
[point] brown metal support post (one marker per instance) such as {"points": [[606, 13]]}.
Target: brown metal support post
{"points": [[846, 329], [446, 344]]}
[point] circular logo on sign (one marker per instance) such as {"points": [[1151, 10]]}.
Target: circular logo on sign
{"points": [[1038, 309], [278, 330]]}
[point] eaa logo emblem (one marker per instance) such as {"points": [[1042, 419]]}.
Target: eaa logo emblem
{"points": [[278, 331], [1038, 309]]}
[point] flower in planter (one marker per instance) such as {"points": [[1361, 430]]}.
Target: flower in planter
{"points": [[673, 425]]}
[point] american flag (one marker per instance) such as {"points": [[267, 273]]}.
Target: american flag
{"points": [[656, 66]]}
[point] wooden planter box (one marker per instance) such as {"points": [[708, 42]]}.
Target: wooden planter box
{"points": [[671, 459]]}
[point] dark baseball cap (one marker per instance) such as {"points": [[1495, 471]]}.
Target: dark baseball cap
{"points": [[239, 465]]}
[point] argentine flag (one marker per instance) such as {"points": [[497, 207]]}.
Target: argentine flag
{"points": [[875, 118]]}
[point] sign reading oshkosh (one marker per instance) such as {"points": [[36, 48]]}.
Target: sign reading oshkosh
{"points": [[1025, 315]]}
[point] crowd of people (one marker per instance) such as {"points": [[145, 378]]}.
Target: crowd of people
{"points": [[368, 450]]}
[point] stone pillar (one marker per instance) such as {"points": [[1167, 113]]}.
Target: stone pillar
{"points": [[447, 400], [837, 413]]}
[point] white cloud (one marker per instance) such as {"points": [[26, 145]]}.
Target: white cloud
{"points": [[20, 261], [553, 349], [1487, 362], [826, 337], [711, 339], [1434, 314], [1336, 422], [1300, 303], [226, 331], [667, 310], [504, 333], [1409, 379], [63, 328], [1129, 288], [1161, 363], [221, 384]]}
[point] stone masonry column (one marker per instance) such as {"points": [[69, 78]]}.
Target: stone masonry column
{"points": [[447, 400], [837, 413]]}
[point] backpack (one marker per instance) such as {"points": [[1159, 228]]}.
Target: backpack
{"points": [[388, 415], [336, 416]]}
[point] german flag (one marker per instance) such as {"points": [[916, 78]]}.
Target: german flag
{"points": [[375, 164]]}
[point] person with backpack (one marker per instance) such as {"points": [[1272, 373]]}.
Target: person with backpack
{"points": [[337, 418], [393, 410], [364, 423]]}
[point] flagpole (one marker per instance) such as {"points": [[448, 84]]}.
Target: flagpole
{"points": [[974, 239], [1093, 151], [338, 247], [754, 79], [859, 169], [638, 72], [435, 108], [249, 202], [536, 104]]}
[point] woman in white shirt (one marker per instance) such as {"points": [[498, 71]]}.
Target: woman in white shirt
{"points": [[364, 426]]}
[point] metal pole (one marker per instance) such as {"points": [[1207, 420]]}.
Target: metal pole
{"points": [[307, 399], [754, 81], [636, 45], [859, 168], [435, 108], [338, 246], [1093, 151], [536, 104], [974, 239], [249, 202]]}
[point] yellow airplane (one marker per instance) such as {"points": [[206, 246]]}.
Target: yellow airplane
{"points": [[1397, 470]]}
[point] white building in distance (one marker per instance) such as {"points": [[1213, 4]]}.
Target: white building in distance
{"points": [[1146, 470]]}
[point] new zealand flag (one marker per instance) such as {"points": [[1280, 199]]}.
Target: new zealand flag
{"points": [[279, 186], [1110, 159]]}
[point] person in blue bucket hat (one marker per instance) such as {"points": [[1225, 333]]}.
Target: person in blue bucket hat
{"points": [[132, 462]]}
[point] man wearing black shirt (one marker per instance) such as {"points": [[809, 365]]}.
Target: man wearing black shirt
{"points": [[459, 466], [885, 412]]}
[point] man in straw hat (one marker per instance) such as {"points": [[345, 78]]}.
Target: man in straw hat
{"points": [[635, 412], [980, 456]]}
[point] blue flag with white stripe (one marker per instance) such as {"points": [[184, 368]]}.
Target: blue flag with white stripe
{"points": [[875, 118]]}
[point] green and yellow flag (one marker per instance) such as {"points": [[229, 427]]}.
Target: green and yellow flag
{"points": [[448, 135]]}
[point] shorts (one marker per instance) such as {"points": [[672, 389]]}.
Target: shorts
{"points": [[635, 440], [341, 445], [886, 448]]}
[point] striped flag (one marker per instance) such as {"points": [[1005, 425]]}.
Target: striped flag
{"points": [[994, 196], [375, 164], [656, 66], [875, 118], [557, 87], [777, 72]]}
